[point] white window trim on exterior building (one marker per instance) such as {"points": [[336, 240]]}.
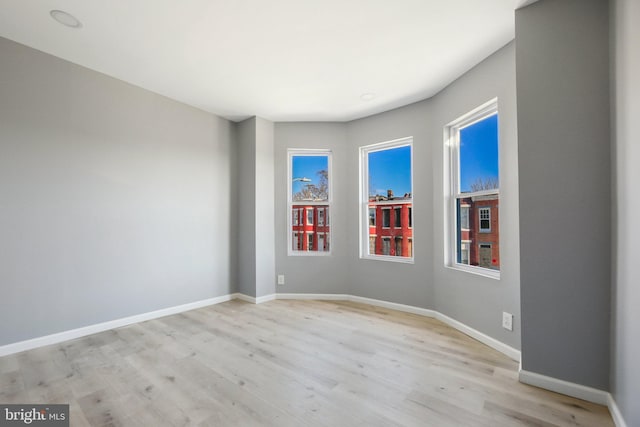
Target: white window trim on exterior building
{"points": [[451, 174], [482, 210], [364, 199], [290, 203]]}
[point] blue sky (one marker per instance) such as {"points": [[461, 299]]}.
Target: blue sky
{"points": [[390, 170], [478, 152], [307, 167]]}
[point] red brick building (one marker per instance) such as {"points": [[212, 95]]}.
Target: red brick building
{"points": [[310, 228], [390, 225], [478, 231]]}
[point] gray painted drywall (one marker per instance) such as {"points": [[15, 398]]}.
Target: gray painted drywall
{"points": [[565, 204], [246, 176], [113, 200], [313, 274], [256, 234], [402, 283], [427, 283], [476, 300], [625, 384], [265, 216]]}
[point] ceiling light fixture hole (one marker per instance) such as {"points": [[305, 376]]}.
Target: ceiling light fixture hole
{"points": [[65, 18], [367, 96]]}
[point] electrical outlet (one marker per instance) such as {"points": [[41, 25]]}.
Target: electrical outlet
{"points": [[280, 279], [507, 321]]}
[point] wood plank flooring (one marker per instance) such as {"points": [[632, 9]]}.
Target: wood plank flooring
{"points": [[286, 363]]}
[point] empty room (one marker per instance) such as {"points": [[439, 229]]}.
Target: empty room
{"points": [[339, 213]]}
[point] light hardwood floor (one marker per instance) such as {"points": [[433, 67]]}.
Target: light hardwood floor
{"points": [[286, 363]]}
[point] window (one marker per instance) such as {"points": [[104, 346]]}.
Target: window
{"points": [[398, 248], [309, 200], [410, 217], [473, 190], [386, 182], [485, 255], [484, 214], [296, 242], [464, 217], [386, 217], [464, 253], [386, 246]]}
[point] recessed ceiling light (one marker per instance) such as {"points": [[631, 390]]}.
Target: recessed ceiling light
{"points": [[367, 96], [65, 19]]}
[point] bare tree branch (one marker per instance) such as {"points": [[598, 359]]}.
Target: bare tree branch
{"points": [[487, 183]]}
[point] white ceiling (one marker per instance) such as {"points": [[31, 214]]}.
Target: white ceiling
{"points": [[284, 60]]}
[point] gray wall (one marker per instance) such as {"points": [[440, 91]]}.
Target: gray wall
{"points": [[246, 176], [427, 283], [313, 274], [626, 228], [256, 234], [265, 219], [114, 201], [564, 166], [476, 300], [410, 284]]}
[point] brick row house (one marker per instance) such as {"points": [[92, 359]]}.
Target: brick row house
{"points": [[391, 225], [310, 228], [478, 231]]}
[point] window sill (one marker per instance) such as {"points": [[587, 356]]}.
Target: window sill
{"points": [[309, 253], [388, 258], [479, 271]]}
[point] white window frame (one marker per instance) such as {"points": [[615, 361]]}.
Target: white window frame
{"points": [[452, 192], [320, 217], [291, 153], [364, 199], [308, 211], [480, 210]]}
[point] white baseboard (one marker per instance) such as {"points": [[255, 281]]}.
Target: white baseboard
{"points": [[59, 337], [503, 348], [393, 306], [578, 391], [618, 420], [254, 300], [473, 333], [320, 297]]}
